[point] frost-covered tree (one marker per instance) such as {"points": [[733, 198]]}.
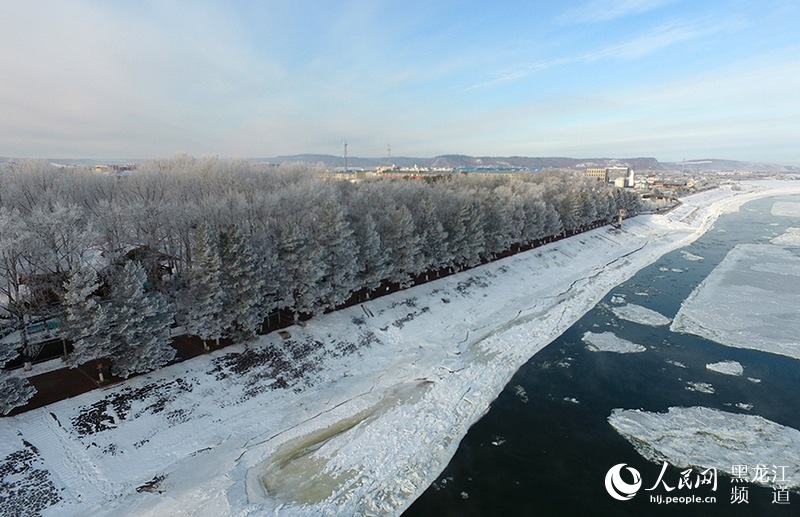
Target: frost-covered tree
{"points": [[241, 285], [138, 324], [433, 252], [371, 261], [85, 319], [471, 216], [201, 300], [402, 245], [17, 243], [334, 237], [62, 236], [300, 267], [14, 392], [267, 268]]}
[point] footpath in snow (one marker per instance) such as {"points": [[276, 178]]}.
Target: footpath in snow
{"points": [[356, 413]]}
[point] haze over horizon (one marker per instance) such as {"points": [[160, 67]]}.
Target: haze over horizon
{"points": [[671, 79]]}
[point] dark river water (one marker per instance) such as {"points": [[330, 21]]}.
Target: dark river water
{"points": [[545, 445]]}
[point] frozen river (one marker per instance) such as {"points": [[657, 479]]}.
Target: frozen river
{"points": [[693, 361]]}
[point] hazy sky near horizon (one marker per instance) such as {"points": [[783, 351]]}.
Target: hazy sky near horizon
{"points": [[618, 78]]}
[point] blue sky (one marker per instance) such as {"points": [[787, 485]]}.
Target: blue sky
{"points": [[619, 78]]}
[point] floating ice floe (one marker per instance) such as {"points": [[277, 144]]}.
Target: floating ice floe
{"points": [[754, 380], [790, 238], [742, 405], [786, 209], [676, 363], [749, 300], [726, 367], [639, 314], [617, 298], [609, 342], [691, 256], [702, 387], [521, 394], [572, 399], [710, 438]]}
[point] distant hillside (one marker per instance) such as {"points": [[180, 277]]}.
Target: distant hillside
{"points": [[640, 164]]}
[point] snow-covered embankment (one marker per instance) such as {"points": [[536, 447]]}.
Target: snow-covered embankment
{"points": [[380, 396]]}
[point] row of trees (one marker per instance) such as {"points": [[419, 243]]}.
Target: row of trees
{"points": [[217, 245]]}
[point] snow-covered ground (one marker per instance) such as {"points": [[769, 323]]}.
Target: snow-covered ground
{"points": [[705, 437], [355, 414]]}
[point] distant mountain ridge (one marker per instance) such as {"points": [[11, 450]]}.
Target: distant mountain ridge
{"points": [[455, 161], [640, 164]]}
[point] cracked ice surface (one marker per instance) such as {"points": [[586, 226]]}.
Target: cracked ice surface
{"points": [[749, 300], [705, 437], [639, 314]]}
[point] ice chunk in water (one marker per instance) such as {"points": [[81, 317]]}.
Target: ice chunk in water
{"points": [[726, 367], [701, 436], [749, 300], [609, 342], [639, 314]]}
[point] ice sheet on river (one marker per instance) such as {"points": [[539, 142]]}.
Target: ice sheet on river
{"points": [[750, 300], [609, 342], [789, 238], [705, 437], [639, 314], [786, 209]]}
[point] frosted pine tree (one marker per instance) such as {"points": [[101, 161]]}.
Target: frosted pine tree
{"points": [[403, 245], [433, 238], [84, 320], [456, 236], [471, 215], [371, 259], [267, 270], [241, 285], [301, 268], [334, 237], [202, 299], [139, 324], [14, 391]]}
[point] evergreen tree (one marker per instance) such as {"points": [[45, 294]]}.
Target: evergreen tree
{"points": [[433, 238], [14, 391], [85, 318], [334, 238], [202, 295], [242, 285], [402, 244], [138, 324], [300, 267], [471, 214], [371, 261]]}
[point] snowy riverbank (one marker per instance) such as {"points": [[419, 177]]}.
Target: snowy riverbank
{"points": [[379, 397]]}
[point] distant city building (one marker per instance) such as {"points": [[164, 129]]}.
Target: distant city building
{"points": [[619, 176], [600, 174]]}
